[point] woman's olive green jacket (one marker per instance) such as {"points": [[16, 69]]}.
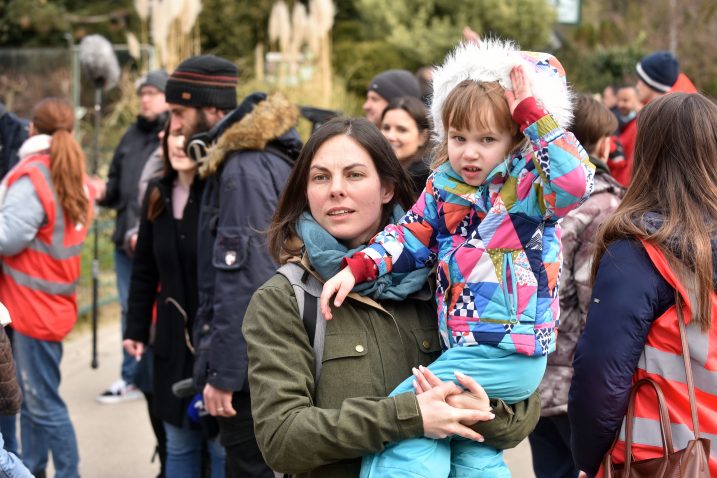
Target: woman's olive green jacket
{"points": [[321, 430]]}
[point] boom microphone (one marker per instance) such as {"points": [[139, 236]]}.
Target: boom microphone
{"points": [[99, 61]]}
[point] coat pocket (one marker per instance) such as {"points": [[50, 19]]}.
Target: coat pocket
{"points": [[428, 344], [230, 250], [346, 362]]}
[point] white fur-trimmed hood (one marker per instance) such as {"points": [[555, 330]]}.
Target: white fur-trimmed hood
{"points": [[492, 60]]}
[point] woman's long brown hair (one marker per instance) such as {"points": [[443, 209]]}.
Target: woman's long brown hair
{"points": [[55, 116], [674, 175]]}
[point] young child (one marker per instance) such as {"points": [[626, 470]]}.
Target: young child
{"points": [[505, 172]]}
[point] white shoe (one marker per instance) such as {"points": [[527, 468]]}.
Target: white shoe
{"points": [[119, 391]]}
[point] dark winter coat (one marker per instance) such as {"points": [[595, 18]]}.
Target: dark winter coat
{"points": [[629, 294], [161, 272], [132, 152], [13, 132], [246, 173]]}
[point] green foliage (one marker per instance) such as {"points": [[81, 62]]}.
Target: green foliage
{"points": [[358, 62], [232, 28], [424, 31], [47, 22]]}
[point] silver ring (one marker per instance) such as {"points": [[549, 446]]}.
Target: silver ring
{"points": [[220, 409]]}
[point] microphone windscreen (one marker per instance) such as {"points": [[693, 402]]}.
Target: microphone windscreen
{"points": [[99, 61]]}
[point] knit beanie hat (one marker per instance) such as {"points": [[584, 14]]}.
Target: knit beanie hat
{"points": [[204, 81], [492, 60], [156, 78], [659, 70], [394, 84]]}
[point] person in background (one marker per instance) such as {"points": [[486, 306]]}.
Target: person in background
{"points": [[165, 272], [120, 192], [628, 105], [10, 400], [657, 73], [659, 246], [244, 173], [13, 132], [386, 86], [405, 124], [593, 125], [45, 211], [609, 98]]}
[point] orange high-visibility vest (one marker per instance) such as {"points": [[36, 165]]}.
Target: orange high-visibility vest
{"points": [[38, 284], [662, 361]]}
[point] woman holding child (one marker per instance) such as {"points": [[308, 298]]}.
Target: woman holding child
{"points": [[347, 184]]}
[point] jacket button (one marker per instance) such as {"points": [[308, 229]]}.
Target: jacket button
{"points": [[425, 344], [205, 328], [359, 348]]}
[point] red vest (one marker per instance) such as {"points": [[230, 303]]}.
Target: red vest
{"points": [[661, 361], [38, 284]]}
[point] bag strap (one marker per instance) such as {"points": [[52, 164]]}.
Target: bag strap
{"points": [[307, 290], [688, 367], [665, 430]]}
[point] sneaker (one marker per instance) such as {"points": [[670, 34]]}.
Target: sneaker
{"points": [[119, 391]]}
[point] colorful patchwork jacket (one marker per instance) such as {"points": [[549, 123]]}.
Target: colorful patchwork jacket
{"points": [[497, 245]]}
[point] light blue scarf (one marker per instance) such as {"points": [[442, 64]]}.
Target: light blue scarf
{"points": [[326, 252]]}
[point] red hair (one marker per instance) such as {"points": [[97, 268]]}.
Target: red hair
{"points": [[55, 116]]}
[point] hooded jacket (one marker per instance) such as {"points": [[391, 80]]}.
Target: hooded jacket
{"points": [[497, 245], [580, 228], [245, 173]]}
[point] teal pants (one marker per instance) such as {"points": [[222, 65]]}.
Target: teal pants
{"points": [[503, 374]]}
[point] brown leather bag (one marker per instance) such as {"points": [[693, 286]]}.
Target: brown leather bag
{"points": [[692, 462]]}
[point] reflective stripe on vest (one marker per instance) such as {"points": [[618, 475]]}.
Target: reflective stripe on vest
{"points": [[661, 360], [42, 285], [647, 432], [56, 248]]}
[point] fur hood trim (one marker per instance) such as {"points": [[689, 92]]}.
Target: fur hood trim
{"points": [[493, 60], [269, 120]]}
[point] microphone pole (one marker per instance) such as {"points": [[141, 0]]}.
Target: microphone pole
{"points": [[95, 232], [99, 62]]}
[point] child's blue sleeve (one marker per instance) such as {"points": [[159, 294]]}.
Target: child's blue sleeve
{"points": [[412, 243], [556, 174]]}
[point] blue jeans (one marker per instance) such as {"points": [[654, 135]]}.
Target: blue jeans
{"points": [[184, 453], [503, 374], [123, 271], [8, 428], [10, 465], [46, 425]]}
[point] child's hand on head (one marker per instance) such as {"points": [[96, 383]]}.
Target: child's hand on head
{"points": [[521, 88]]}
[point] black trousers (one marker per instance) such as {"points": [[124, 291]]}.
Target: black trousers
{"points": [[236, 434], [550, 445]]}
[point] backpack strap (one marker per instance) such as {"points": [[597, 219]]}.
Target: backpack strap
{"points": [[307, 290]]}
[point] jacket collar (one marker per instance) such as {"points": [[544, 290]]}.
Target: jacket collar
{"points": [[269, 120], [39, 143], [448, 179]]}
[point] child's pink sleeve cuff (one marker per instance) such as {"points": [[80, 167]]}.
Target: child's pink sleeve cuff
{"points": [[362, 267], [528, 112]]}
